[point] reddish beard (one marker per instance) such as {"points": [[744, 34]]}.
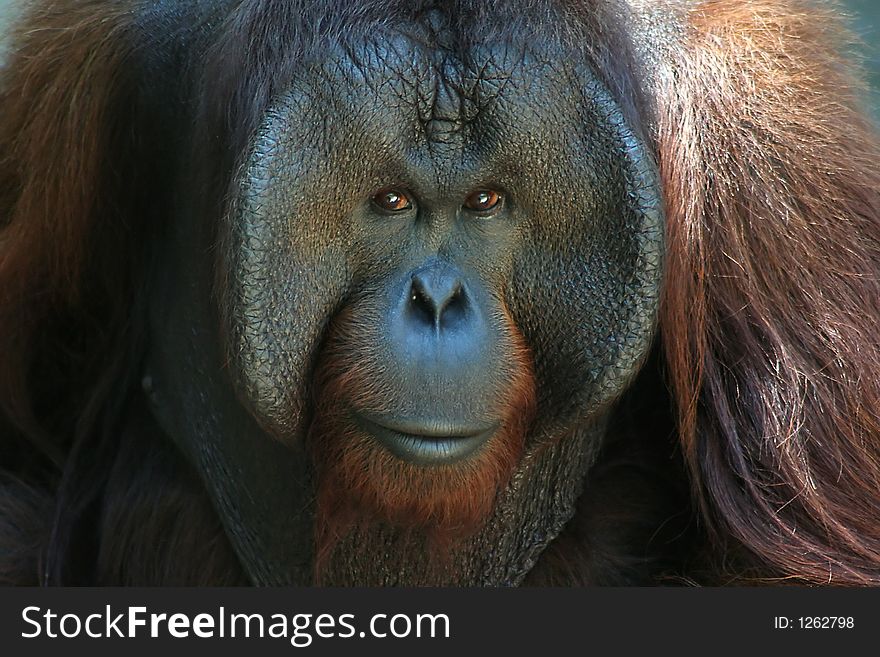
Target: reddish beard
{"points": [[363, 488]]}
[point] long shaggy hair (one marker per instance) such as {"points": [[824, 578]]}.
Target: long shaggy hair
{"points": [[770, 321], [772, 310]]}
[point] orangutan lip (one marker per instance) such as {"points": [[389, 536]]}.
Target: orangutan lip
{"points": [[422, 444]]}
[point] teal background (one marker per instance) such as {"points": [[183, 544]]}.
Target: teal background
{"points": [[865, 21]]}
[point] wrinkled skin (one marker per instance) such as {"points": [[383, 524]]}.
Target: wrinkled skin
{"points": [[471, 350], [366, 292]]}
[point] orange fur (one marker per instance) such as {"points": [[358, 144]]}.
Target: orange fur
{"points": [[772, 181]]}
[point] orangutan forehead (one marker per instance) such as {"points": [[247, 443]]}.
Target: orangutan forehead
{"points": [[442, 88]]}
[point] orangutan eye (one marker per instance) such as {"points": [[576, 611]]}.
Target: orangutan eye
{"points": [[483, 200], [392, 200]]}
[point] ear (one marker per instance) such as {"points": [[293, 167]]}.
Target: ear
{"points": [[771, 318]]}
